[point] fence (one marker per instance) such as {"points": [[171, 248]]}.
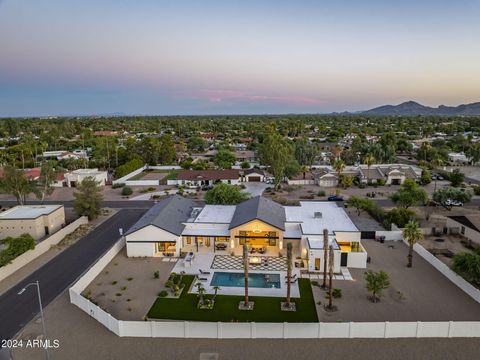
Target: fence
{"points": [[253, 330], [40, 248]]}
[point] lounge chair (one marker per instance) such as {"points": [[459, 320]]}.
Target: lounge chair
{"points": [[291, 281], [293, 277], [204, 272], [202, 278]]}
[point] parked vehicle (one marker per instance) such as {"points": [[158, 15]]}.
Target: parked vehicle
{"points": [[451, 202], [335, 198]]}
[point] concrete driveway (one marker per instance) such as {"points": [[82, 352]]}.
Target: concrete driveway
{"points": [[255, 188]]}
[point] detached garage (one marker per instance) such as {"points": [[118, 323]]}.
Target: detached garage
{"points": [[254, 175]]}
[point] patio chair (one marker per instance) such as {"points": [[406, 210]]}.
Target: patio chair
{"points": [[253, 250], [292, 281], [293, 276], [204, 272], [202, 278]]}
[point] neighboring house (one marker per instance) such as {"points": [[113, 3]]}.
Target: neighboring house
{"points": [[466, 225], [75, 177], [63, 155], [247, 155], [325, 178], [458, 158], [196, 178], [176, 226], [36, 220], [33, 173], [105, 133], [253, 175]]}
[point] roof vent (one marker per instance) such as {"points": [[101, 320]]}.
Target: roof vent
{"points": [[317, 215]]}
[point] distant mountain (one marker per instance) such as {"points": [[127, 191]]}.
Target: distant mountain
{"points": [[412, 108]]}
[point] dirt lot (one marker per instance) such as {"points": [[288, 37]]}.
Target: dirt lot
{"points": [[126, 288], [420, 293]]}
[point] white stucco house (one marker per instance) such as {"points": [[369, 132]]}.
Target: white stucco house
{"points": [[178, 226], [75, 177]]}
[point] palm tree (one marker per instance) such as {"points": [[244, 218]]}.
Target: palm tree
{"points": [[330, 276], [201, 292], [215, 288], [412, 234], [325, 254], [304, 171], [339, 166], [436, 163], [245, 272], [289, 272], [369, 161]]}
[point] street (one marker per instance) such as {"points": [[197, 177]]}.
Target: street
{"points": [[56, 275]]}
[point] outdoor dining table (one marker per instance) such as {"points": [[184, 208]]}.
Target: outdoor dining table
{"points": [[255, 260]]}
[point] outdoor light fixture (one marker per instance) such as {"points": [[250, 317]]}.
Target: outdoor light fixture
{"points": [[37, 284], [256, 229]]}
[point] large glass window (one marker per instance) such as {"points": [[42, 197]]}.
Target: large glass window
{"points": [[165, 246]]}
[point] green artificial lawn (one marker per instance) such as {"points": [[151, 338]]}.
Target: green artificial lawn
{"points": [[267, 309]]}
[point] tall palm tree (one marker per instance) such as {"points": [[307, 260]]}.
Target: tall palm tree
{"points": [[339, 166], [289, 272], [369, 161], [325, 254], [215, 288], [436, 163], [304, 171], [245, 271], [412, 234], [330, 276]]}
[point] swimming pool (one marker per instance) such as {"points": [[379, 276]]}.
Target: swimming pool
{"points": [[255, 280]]}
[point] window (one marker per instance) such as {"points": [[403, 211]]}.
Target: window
{"points": [[462, 231], [165, 246], [189, 240]]}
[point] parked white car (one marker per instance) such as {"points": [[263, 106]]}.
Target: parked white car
{"points": [[451, 202]]}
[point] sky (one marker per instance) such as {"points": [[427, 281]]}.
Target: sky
{"points": [[154, 57]]}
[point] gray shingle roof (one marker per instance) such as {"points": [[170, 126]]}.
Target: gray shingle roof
{"points": [[168, 214], [259, 208]]}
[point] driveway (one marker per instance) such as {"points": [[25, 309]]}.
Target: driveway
{"points": [[255, 188]]}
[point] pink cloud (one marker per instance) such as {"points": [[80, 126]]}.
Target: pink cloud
{"points": [[217, 96]]}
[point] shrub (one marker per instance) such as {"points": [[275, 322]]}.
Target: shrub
{"points": [[123, 288], [381, 182], [16, 247], [163, 293], [128, 167], [337, 293], [118, 185], [114, 282], [127, 190], [156, 274], [476, 189], [321, 193]]}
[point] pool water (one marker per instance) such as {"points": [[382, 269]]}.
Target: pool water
{"points": [[255, 280]]}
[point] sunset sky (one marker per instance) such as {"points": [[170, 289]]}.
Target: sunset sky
{"points": [[63, 57]]}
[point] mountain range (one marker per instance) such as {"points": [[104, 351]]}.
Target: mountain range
{"points": [[412, 108]]}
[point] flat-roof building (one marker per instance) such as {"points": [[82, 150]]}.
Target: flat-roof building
{"points": [[37, 220]]}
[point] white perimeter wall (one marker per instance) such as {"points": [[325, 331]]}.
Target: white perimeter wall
{"points": [[40, 248]]}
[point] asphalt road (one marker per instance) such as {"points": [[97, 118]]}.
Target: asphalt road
{"points": [[117, 204], [60, 272]]}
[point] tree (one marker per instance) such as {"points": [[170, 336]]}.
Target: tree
{"points": [[468, 266], [473, 153], [305, 153], [225, 194], [377, 282], [216, 288], [412, 233], [128, 167], [339, 166], [456, 178], [289, 274], [246, 304], [245, 165], [409, 194], [48, 176], [224, 159], [276, 153], [436, 162], [15, 182], [88, 199], [196, 144], [450, 193], [346, 181], [166, 150], [369, 161], [426, 177], [331, 261], [15, 247], [400, 216], [358, 203], [325, 255], [292, 168]]}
